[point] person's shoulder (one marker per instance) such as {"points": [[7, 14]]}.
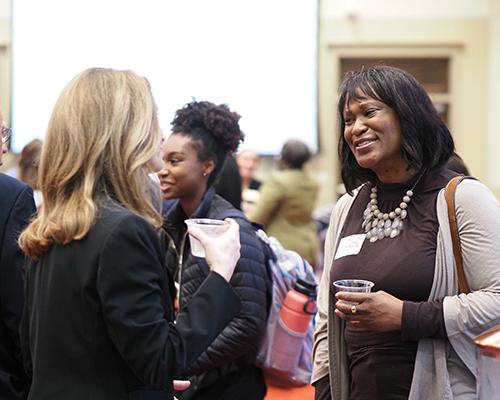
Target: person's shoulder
{"points": [[282, 178], [473, 192], [221, 208], [12, 189], [345, 201], [437, 178], [9, 184], [113, 217]]}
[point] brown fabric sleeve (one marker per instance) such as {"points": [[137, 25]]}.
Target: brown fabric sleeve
{"points": [[322, 389], [422, 320]]}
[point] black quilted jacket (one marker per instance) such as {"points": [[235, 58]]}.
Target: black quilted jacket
{"points": [[237, 344]]}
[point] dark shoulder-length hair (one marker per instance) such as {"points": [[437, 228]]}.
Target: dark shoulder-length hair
{"points": [[425, 139]]}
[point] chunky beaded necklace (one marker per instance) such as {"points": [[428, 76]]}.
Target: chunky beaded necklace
{"points": [[377, 224]]}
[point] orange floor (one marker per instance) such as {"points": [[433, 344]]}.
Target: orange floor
{"points": [[300, 393]]}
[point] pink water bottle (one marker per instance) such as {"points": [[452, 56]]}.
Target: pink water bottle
{"points": [[295, 316], [299, 306]]}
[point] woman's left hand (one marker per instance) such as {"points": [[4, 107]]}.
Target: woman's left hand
{"points": [[378, 311]]}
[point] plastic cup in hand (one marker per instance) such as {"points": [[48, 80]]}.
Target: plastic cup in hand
{"points": [[211, 227], [353, 285]]}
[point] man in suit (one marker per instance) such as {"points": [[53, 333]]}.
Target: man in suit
{"points": [[16, 208]]}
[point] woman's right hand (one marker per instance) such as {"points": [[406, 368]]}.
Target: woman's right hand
{"points": [[180, 386], [221, 252]]}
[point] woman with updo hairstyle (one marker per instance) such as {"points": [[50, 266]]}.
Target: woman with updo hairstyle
{"points": [[203, 136], [287, 201]]}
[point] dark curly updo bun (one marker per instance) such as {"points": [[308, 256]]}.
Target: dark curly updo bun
{"points": [[214, 129]]}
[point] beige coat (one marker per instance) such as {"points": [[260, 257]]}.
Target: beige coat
{"points": [[285, 207], [444, 369]]}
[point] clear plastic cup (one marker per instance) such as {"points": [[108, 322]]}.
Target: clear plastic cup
{"points": [[210, 226], [353, 285]]}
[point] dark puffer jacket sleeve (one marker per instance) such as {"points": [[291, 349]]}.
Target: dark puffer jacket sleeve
{"points": [[243, 334]]}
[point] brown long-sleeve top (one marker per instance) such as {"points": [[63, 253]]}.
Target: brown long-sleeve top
{"points": [[381, 363]]}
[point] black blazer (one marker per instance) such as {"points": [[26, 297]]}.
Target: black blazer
{"points": [[97, 323], [16, 209]]}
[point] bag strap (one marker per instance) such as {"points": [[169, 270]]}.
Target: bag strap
{"points": [[231, 213], [449, 194]]}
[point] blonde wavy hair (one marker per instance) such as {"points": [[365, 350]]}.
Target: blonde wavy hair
{"points": [[102, 133]]}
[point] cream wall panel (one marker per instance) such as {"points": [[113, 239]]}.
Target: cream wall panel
{"points": [[494, 100], [428, 9]]}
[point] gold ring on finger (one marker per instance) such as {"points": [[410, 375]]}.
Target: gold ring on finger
{"points": [[354, 309]]}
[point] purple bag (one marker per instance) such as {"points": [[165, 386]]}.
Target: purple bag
{"points": [[284, 356]]}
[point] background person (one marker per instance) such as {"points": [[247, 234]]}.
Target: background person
{"points": [[16, 209], [98, 317], [203, 136], [28, 168], [248, 161], [410, 337], [287, 200]]}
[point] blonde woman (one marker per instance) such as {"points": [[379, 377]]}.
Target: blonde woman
{"points": [[97, 321]]}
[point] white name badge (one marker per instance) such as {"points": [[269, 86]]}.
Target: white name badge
{"points": [[350, 245]]}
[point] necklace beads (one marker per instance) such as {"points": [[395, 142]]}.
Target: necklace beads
{"points": [[377, 224]]}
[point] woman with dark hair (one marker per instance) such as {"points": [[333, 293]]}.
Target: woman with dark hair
{"points": [[411, 336], [287, 200], [203, 136], [228, 185]]}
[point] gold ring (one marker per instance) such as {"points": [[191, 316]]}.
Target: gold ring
{"points": [[354, 309]]}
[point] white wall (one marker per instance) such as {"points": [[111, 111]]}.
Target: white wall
{"points": [[224, 51]]}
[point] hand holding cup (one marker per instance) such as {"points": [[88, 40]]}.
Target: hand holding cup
{"points": [[377, 311], [221, 246]]}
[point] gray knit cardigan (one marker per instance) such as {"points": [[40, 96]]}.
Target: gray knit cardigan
{"points": [[444, 369]]}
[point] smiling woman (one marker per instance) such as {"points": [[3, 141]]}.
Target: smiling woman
{"points": [[394, 146], [373, 134], [203, 136]]}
